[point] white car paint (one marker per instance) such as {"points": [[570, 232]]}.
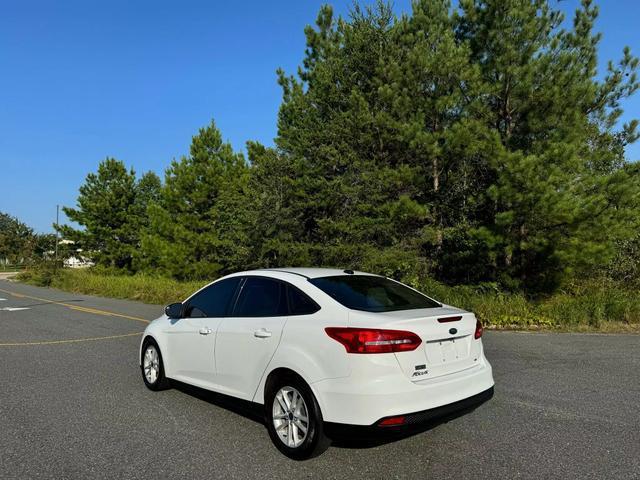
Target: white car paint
{"points": [[233, 357]]}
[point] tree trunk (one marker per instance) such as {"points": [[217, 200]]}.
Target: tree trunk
{"points": [[436, 188]]}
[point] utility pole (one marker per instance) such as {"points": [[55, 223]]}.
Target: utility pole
{"points": [[57, 234]]}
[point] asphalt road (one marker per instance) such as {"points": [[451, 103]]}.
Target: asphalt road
{"points": [[566, 406]]}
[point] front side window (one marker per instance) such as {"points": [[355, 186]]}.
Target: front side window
{"points": [[261, 297], [213, 301], [372, 294]]}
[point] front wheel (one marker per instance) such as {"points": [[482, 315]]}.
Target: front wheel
{"points": [[152, 367], [293, 418]]}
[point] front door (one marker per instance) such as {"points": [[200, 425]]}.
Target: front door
{"points": [[192, 337], [187, 354]]}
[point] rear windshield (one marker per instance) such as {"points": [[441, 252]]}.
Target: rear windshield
{"points": [[372, 294]]}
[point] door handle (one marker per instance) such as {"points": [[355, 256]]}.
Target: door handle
{"points": [[262, 333], [205, 331]]}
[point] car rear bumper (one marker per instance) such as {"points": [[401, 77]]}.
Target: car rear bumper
{"points": [[412, 421], [344, 401]]}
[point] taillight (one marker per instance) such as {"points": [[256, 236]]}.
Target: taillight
{"points": [[374, 340], [478, 333]]}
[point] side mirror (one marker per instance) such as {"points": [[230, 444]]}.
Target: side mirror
{"points": [[173, 311]]}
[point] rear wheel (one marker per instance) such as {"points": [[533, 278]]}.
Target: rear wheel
{"points": [[152, 367], [293, 418]]}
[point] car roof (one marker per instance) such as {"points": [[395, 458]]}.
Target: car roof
{"points": [[309, 272]]}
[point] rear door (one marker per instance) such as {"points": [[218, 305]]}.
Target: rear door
{"points": [[247, 340]]}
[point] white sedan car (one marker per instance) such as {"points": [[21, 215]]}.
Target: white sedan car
{"points": [[319, 347]]}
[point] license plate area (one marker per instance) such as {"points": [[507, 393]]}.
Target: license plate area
{"points": [[447, 350]]}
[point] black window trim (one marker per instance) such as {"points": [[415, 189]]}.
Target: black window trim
{"points": [[230, 305], [317, 307], [284, 286]]}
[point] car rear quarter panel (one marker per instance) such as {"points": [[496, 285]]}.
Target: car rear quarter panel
{"points": [[306, 349]]}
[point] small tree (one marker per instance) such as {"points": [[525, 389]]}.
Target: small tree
{"points": [[108, 210], [16, 240]]}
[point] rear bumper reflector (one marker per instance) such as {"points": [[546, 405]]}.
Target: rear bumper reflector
{"points": [[392, 421]]}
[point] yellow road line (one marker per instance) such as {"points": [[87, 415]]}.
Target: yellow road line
{"points": [[72, 340], [77, 307]]}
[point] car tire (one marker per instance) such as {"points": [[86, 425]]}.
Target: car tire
{"points": [[288, 402], [152, 367]]}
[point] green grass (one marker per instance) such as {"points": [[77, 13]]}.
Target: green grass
{"points": [[11, 268], [145, 288], [590, 306]]}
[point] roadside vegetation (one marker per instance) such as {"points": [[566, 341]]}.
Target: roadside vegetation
{"points": [[591, 306], [20, 245], [141, 287], [475, 152]]}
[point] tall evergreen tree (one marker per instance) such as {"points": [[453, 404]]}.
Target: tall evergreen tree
{"points": [[276, 236], [106, 208], [479, 142], [560, 198], [475, 143], [361, 190], [432, 92], [197, 228]]}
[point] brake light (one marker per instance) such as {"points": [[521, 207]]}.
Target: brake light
{"points": [[374, 340], [478, 333], [449, 319]]}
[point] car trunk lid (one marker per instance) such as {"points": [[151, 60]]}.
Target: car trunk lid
{"points": [[447, 333]]}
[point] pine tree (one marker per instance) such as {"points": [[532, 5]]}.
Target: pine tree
{"points": [[277, 222], [361, 197], [477, 143], [560, 197], [106, 208], [474, 143], [196, 228]]}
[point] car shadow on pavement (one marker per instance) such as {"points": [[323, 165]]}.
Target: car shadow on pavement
{"points": [[250, 410], [341, 436]]}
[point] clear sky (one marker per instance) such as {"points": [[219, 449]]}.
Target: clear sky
{"points": [[83, 80]]}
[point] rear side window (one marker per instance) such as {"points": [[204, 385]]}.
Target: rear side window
{"points": [[213, 301], [261, 297], [372, 294], [300, 303]]}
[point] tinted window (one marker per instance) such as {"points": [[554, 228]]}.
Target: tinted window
{"points": [[372, 294], [261, 297], [213, 301], [300, 303]]}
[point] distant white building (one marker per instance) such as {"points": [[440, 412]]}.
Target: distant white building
{"points": [[75, 260]]}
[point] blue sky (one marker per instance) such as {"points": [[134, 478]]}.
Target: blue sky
{"points": [[135, 80]]}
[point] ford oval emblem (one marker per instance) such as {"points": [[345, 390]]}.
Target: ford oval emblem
{"points": [[453, 331]]}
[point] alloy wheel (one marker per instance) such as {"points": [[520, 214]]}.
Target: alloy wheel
{"points": [[290, 417], [151, 364]]}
